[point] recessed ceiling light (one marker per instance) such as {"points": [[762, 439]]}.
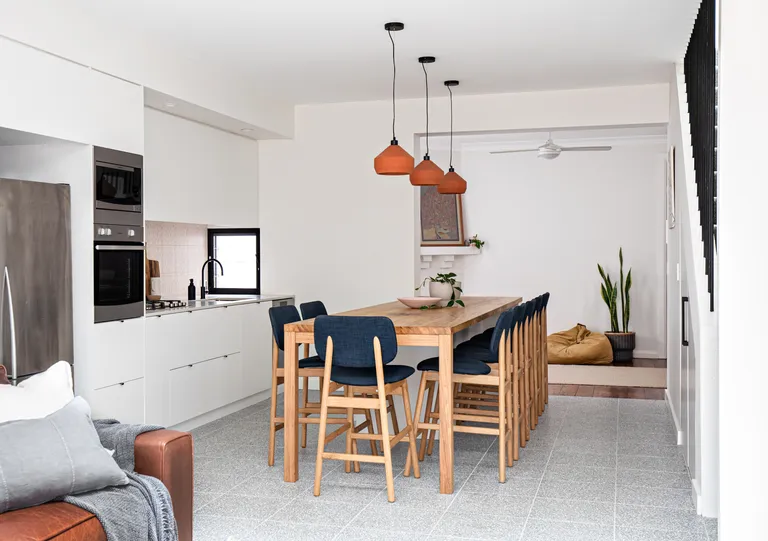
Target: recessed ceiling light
{"points": [[246, 130], [170, 104]]}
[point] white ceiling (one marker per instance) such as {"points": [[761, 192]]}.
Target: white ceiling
{"points": [[312, 51]]}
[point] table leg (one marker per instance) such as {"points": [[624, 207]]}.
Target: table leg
{"points": [[291, 409], [445, 346]]}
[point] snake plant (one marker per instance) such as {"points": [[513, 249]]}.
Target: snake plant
{"points": [[610, 292]]}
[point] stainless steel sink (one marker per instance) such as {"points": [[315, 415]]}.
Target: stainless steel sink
{"points": [[205, 302]]}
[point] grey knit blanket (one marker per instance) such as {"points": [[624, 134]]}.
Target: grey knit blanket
{"points": [[141, 509]]}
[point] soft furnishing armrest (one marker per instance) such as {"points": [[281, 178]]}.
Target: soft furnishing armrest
{"points": [[168, 455]]}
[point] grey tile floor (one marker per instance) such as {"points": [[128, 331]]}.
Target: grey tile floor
{"points": [[595, 469]]}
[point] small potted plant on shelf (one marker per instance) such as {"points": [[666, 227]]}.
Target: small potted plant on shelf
{"points": [[621, 338], [446, 287], [476, 242]]}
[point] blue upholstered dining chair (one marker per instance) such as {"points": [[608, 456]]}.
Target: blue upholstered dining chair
{"points": [[279, 316], [357, 352], [496, 403], [312, 309], [309, 310]]}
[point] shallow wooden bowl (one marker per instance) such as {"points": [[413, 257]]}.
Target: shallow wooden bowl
{"points": [[418, 302]]}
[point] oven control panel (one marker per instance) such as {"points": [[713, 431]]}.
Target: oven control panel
{"points": [[118, 233]]}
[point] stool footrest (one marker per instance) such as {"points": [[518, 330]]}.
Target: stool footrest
{"points": [[354, 458]]}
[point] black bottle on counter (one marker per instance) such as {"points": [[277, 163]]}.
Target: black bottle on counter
{"points": [[191, 290]]}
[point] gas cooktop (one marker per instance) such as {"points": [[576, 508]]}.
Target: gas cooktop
{"points": [[164, 304]]}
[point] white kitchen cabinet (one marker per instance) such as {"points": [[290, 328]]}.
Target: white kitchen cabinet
{"points": [[205, 386], [116, 353], [182, 157], [200, 360], [123, 401], [48, 95], [256, 346]]}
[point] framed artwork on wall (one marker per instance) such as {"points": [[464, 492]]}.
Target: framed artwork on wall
{"points": [[671, 203], [442, 219]]}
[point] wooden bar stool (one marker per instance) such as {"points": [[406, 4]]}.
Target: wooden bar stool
{"points": [[309, 367], [496, 404], [309, 310], [536, 356], [357, 352]]}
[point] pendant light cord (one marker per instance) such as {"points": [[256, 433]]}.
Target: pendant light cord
{"points": [[426, 86], [450, 92], [394, 78]]}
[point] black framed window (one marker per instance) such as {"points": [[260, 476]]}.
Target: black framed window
{"points": [[238, 250]]}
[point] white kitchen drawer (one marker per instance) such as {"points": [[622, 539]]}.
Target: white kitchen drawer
{"points": [[123, 401], [202, 387], [179, 339], [116, 352], [219, 332]]}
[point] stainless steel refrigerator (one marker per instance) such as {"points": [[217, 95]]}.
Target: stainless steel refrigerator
{"points": [[36, 267]]}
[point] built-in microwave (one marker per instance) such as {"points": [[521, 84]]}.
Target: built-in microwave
{"points": [[118, 273], [117, 187]]}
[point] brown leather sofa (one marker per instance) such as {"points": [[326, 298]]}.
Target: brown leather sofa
{"points": [[164, 454]]}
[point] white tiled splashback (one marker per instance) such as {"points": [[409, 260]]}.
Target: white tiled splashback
{"points": [[181, 250]]}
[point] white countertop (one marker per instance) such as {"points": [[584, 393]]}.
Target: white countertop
{"points": [[217, 301]]}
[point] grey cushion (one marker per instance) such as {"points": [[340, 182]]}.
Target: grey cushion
{"points": [[61, 454]]}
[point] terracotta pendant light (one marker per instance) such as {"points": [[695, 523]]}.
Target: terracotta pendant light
{"points": [[427, 173], [452, 182], [393, 160]]}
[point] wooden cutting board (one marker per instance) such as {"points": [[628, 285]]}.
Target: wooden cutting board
{"points": [[151, 270]]}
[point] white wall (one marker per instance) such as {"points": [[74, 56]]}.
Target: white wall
{"points": [[548, 223], [742, 230], [73, 32], [674, 266], [198, 174], [696, 409], [43, 94]]}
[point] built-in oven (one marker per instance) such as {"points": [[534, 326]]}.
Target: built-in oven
{"points": [[118, 273], [117, 187]]}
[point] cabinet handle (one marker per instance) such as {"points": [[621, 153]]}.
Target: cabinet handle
{"points": [[682, 333], [190, 365], [122, 383]]}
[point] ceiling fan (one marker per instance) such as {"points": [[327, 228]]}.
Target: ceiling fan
{"points": [[550, 151]]}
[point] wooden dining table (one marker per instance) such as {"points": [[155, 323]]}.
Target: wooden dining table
{"points": [[432, 327]]}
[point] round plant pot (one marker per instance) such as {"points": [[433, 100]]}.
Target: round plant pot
{"points": [[623, 344], [444, 291]]}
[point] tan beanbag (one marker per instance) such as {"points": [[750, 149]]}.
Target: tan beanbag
{"points": [[579, 346]]}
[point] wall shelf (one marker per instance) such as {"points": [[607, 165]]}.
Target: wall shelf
{"points": [[444, 256], [449, 250]]}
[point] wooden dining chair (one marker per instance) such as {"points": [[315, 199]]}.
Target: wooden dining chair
{"points": [[357, 352], [309, 366], [537, 374], [489, 392], [309, 310]]}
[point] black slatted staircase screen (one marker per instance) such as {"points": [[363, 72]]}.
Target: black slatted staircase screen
{"points": [[701, 86]]}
